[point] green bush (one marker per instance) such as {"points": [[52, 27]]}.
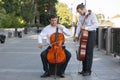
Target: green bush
{"points": [[2, 17], [6, 21], [10, 21]]}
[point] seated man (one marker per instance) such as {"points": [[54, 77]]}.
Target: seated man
{"points": [[46, 32]]}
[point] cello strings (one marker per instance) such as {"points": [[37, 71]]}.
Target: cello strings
{"points": [[52, 43]]}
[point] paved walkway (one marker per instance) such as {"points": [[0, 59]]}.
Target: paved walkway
{"points": [[19, 60]]}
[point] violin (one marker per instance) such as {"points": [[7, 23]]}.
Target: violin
{"points": [[83, 41], [56, 54]]}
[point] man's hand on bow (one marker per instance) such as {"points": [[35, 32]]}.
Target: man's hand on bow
{"points": [[40, 45], [60, 27]]}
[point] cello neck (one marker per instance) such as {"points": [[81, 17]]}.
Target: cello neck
{"points": [[86, 16], [56, 35]]}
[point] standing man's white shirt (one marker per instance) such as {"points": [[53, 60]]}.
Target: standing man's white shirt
{"points": [[49, 30], [90, 24]]}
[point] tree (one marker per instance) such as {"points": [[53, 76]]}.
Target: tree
{"points": [[64, 14], [100, 16], [45, 8], [27, 10], [2, 15], [12, 8], [48, 5]]}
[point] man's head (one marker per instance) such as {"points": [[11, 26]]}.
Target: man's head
{"points": [[53, 20], [81, 9]]}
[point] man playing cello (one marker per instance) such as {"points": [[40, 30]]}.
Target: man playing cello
{"points": [[90, 24], [47, 32]]}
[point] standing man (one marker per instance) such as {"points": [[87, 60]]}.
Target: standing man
{"points": [[90, 24], [46, 32]]}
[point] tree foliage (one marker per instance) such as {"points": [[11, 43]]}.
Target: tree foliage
{"points": [[48, 5], [26, 11], [45, 8], [11, 6], [100, 16], [12, 16], [64, 14], [10, 21], [2, 15]]}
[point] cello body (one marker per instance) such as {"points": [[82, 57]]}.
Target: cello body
{"points": [[82, 47], [56, 54]]}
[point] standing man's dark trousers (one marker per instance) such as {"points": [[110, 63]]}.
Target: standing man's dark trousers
{"points": [[45, 61], [87, 63]]}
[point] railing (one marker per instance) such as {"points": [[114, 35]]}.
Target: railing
{"points": [[109, 40], [115, 41]]}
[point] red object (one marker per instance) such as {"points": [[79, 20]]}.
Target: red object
{"points": [[83, 44], [56, 54]]}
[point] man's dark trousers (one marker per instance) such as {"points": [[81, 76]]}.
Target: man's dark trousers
{"points": [[87, 63], [46, 63]]}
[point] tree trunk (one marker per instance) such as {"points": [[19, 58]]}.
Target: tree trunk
{"points": [[25, 31], [16, 32]]}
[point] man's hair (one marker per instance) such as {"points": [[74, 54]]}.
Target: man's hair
{"points": [[52, 16], [81, 6]]}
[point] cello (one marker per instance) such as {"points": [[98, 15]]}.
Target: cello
{"points": [[56, 54], [83, 38]]}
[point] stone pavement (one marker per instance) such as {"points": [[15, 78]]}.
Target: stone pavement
{"points": [[19, 60]]}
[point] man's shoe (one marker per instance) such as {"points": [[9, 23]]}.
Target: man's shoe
{"points": [[81, 72], [86, 74], [46, 74], [61, 75]]}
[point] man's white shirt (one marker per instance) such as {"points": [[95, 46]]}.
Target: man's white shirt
{"points": [[91, 23], [49, 30]]}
